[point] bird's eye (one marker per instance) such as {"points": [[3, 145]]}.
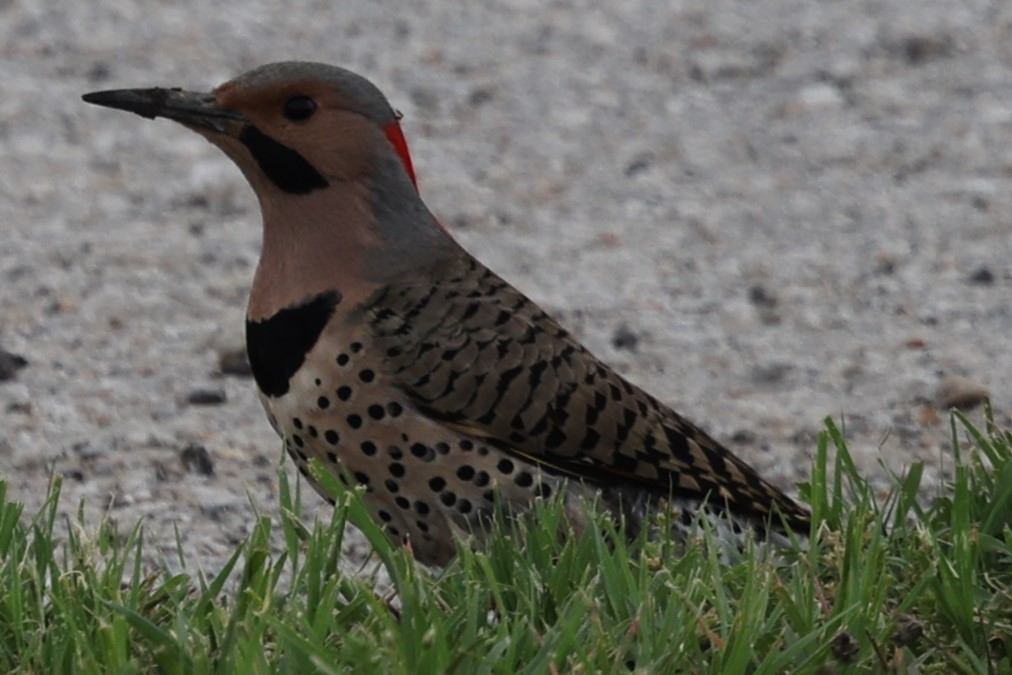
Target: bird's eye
{"points": [[299, 108]]}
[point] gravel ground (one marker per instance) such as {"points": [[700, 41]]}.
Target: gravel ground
{"points": [[764, 213]]}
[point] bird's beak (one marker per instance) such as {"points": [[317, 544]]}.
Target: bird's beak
{"points": [[196, 110]]}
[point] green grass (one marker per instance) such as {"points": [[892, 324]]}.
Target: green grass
{"points": [[885, 585]]}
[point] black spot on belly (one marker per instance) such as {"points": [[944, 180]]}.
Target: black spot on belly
{"points": [[423, 452], [277, 346], [283, 166]]}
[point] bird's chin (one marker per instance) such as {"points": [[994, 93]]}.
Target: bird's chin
{"points": [[230, 131]]}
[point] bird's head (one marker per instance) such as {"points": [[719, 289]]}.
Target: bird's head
{"points": [[323, 150], [295, 127]]}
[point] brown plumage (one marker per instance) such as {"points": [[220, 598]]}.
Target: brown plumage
{"points": [[387, 352]]}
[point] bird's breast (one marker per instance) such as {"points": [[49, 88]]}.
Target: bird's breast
{"points": [[277, 345], [423, 481]]}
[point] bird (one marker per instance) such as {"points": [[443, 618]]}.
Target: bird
{"points": [[385, 351]]}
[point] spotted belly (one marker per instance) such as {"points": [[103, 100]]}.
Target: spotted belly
{"points": [[423, 482]]}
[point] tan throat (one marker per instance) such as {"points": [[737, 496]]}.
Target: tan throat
{"points": [[312, 244]]}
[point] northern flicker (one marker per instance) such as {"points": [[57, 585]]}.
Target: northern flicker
{"points": [[387, 352]]}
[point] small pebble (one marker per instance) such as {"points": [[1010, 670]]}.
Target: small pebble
{"points": [[770, 373], [928, 416], [217, 512], [215, 396], [196, 459], [93, 449], [639, 164], [10, 364], [480, 96], [960, 392], [743, 436], [765, 303], [625, 338], [759, 295], [918, 49], [982, 277], [234, 361]]}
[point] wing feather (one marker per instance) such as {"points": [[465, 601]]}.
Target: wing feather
{"points": [[485, 361]]}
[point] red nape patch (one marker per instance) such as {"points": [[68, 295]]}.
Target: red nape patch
{"points": [[396, 137]]}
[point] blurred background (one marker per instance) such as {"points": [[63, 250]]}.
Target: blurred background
{"points": [[763, 212]]}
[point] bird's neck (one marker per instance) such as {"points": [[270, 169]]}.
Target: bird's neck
{"points": [[313, 244], [353, 237]]}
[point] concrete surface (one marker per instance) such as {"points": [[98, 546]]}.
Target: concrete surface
{"points": [[764, 213]]}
